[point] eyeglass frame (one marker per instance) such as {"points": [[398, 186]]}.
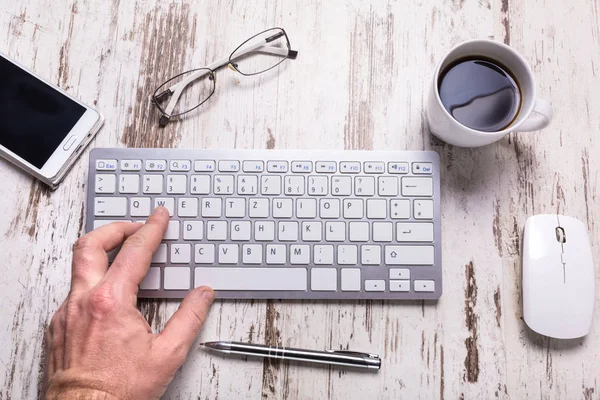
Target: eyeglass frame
{"points": [[176, 90]]}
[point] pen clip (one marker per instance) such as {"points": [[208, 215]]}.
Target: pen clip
{"points": [[353, 353]]}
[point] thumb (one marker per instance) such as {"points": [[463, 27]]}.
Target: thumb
{"points": [[183, 327]]}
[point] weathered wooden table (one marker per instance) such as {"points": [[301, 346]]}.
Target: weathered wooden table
{"points": [[359, 82]]}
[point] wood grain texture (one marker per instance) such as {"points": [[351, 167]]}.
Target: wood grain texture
{"points": [[358, 83]]}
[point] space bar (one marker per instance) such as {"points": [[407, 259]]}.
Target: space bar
{"points": [[251, 278]]}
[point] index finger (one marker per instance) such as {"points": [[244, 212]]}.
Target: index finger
{"points": [[132, 262]]}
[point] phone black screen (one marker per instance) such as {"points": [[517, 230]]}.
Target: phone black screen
{"points": [[34, 117]]}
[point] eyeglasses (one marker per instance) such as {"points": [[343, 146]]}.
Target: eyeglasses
{"points": [[189, 90]]}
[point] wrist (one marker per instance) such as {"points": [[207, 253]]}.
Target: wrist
{"points": [[66, 385]]}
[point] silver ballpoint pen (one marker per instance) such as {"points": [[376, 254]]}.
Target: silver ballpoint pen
{"points": [[336, 357]]}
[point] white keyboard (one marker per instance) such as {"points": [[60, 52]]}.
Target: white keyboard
{"points": [[280, 223]]}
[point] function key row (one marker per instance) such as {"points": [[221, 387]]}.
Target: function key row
{"points": [[325, 167]]}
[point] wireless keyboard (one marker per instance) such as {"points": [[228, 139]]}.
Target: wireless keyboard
{"points": [[278, 223]]}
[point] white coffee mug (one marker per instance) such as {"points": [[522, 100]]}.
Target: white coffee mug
{"points": [[534, 113]]}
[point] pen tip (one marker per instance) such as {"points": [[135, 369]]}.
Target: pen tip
{"points": [[201, 344]]}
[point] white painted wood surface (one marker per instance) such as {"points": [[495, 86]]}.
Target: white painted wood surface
{"points": [[359, 83]]}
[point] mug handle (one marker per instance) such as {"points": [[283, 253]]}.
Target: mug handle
{"points": [[540, 116]]}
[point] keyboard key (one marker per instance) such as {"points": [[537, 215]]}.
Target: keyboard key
{"points": [[364, 186], [129, 183], [228, 253], [398, 168], [177, 278], [341, 185], [172, 232], [105, 183], [211, 207], [204, 254], [252, 254], [335, 231], [240, 230], [347, 254], [223, 184], [276, 254], [370, 255], [153, 184], [400, 209], [359, 231], [270, 185], [235, 208], [200, 184], [329, 208], [283, 208], [277, 166], [423, 209], [187, 207], [258, 208], [253, 166], [216, 230], [110, 206], [267, 279], [139, 206], [176, 184], [247, 184], [317, 185], [350, 279], [106, 165], [229, 166], [399, 273], [409, 255], [101, 222], [349, 167], [374, 168], [156, 165], [374, 286], [306, 208], [160, 255], [382, 231], [353, 208], [299, 254], [424, 286], [312, 231], [422, 168], [387, 186], [151, 280], [287, 231], [294, 185], [193, 230], [301, 166], [414, 232], [167, 202], [204, 166], [323, 254], [376, 208], [399, 286], [180, 253], [264, 231], [323, 279], [180, 165], [131, 165], [412, 186], [326, 167]]}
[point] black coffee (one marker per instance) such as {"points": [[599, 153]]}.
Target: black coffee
{"points": [[480, 93]]}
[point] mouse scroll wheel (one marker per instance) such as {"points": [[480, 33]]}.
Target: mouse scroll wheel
{"points": [[560, 235]]}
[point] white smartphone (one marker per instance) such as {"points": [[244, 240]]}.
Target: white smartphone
{"points": [[42, 128]]}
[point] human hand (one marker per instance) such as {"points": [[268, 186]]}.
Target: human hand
{"points": [[99, 344]]}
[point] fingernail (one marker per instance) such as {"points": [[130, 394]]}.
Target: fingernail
{"points": [[160, 210], [209, 295]]}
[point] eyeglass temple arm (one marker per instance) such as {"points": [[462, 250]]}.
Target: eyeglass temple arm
{"points": [[177, 89]]}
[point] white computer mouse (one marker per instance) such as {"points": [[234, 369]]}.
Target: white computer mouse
{"points": [[558, 276]]}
